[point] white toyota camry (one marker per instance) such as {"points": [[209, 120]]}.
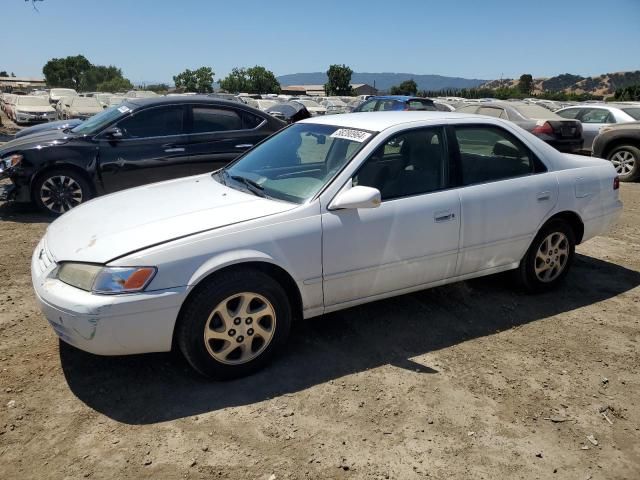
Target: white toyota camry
{"points": [[329, 213]]}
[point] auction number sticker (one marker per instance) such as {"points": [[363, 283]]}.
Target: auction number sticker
{"points": [[351, 134], [124, 109]]}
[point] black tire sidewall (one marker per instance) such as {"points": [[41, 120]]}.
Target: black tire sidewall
{"points": [[635, 151], [527, 272], [195, 314], [41, 178]]}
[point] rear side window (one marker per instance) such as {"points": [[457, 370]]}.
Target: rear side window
{"points": [[489, 153], [367, 106], [154, 122], [388, 105], [206, 119], [421, 105], [570, 113], [250, 121], [634, 112]]}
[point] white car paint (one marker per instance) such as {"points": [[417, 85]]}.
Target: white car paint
{"points": [[191, 228]]}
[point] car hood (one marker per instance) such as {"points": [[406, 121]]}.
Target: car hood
{"points": [[115, 225], [45, 138], [47, 127], [37, 108]]}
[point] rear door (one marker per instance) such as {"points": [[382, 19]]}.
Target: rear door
{"points": [[218, 134], [152, 148], [593, 119], [505, 194]]}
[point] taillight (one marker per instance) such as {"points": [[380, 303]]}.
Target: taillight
{"points": [[545, 128], [616, 183]]}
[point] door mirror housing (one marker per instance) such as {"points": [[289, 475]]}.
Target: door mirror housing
{"points": [[113, 133], [357, 197]]}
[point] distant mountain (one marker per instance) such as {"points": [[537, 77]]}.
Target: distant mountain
{"points": [[605, 84], [384, 81]]}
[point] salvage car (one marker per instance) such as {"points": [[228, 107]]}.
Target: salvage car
{"points": [[55, 94], [78, 107], [620, 144], [32, 109], [140, 141], [563, 134], [329, 213]]}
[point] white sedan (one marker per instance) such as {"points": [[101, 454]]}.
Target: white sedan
{"points": [[329, 213]]}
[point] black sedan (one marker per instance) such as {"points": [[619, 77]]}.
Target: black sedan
{"points": [[562, 134], [140, 141]]}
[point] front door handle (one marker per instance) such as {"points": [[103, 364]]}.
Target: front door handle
{"points": [[542, 196], [174, 150], [440, 217], [245, 145]]}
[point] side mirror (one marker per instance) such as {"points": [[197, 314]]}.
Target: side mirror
{"points": [[113, 132], [357, 197]]}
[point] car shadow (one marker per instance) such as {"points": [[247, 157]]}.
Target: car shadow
{"points": [[145, 389], [23, 213]]}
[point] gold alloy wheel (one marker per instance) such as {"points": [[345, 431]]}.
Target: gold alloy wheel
{"points": [[552, 257], [240, 328]]}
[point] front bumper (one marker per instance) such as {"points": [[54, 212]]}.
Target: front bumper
{"points": [[105, 324], [32, 118]]}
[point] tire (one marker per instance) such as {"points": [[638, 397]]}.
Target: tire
{"points": [[540, 271], [207, 340], [59, 190], [626, 160]]}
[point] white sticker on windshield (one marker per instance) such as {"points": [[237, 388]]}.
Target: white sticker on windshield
{"points": [[351, 134], [124, 109]]}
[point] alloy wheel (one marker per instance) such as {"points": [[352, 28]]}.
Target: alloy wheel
{"points": [[61, 193], [552, 257], [624, 162], [240, 328]]}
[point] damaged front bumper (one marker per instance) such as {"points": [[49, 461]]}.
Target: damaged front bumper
{"points": [[105, 324]]}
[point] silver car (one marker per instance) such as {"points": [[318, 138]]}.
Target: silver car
{"points": [[596, 116]]}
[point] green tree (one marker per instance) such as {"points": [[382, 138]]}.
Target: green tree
{"points": [[525, 84], [66, 72], [158, 88], [198, 81], [236, 81], [98, 75], [339, 80], [3, 73], [408, 87], [118, 84], [262, 80]]}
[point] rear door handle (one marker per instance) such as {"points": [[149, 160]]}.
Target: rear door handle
{"points": [[245, 145], [440, 217], [542, 196], [174, 150]]}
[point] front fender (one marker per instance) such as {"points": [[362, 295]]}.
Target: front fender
{"points": [[227, 259]]}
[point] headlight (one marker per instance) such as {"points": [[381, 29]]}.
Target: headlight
{"points": [[10, 162], [106, 280]]}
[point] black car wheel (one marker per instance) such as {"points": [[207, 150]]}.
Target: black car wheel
{"points": [[626, 160], [234, 324], [58, 191], [549, 257]]}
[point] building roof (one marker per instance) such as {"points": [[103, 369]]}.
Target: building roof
{"points": [[22, 79]]}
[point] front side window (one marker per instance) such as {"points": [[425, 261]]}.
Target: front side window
{"points": [[634, 112], [410, 163], [597, 115], [154, 122], [367, 106], [489, 153], [296, 163], [207, 119]]}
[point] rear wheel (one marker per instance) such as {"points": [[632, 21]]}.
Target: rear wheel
{"points": [[626, 160], [234, 324], [58, 191], [549, 257]]}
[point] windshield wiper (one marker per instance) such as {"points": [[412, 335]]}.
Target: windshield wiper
{"points": [[253, 186]]}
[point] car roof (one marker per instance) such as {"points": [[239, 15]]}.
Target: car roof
{"points": [[378, 121], [180, 99], [401, 98]]}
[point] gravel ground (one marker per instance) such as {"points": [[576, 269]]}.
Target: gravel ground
{"points": [[471, 380]]}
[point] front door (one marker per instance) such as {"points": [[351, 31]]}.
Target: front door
{"points": [[411, 239], [152, 148]]}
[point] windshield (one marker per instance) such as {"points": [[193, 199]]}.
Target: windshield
{"points": [[634, 112], [296, 163], [534, 111], [101, 120], [33, 101]]}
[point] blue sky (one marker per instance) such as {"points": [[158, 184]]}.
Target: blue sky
{"points": [[151, 40]]}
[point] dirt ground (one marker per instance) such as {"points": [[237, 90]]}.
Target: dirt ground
{"points": [[472, 380]]}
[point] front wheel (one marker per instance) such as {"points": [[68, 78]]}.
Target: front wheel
{"points": [[58, 191], [234, 324], [549, 257], [626, 160]]}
